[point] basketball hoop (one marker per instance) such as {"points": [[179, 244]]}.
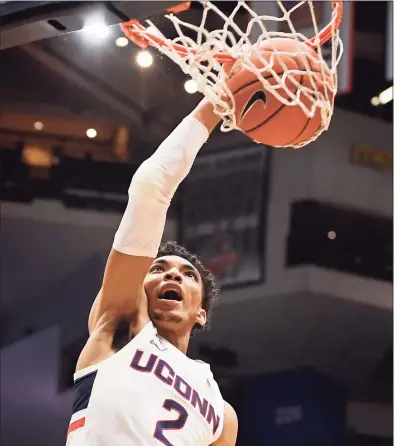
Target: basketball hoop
{"points": [[203, 54]]}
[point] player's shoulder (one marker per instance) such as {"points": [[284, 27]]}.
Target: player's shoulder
{"points": [[205, 368], [230, 413], [229, 433], [230, 424], [202, 363]]}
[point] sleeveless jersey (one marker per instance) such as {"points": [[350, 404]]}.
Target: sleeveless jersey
{"points": [[148, 393]]}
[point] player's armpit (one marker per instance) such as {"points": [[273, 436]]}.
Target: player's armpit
{"points": [[230, 428], [122, 294]]}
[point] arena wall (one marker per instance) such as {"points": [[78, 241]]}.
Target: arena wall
{"points": [[326, 171]]}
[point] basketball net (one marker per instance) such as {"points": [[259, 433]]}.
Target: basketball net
{"points": [[202, 54]]}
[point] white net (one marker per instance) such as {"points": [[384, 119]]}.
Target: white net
{"points": [[196, 48]]}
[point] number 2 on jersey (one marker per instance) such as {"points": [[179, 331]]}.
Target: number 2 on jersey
{"points": [[170, 424]]}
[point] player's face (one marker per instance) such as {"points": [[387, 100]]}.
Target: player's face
{"points": [[174, 289]]}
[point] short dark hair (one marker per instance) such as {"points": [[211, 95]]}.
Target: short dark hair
{"points": [[211, 287]]}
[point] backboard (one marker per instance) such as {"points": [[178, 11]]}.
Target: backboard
{"points": [[26, 21]]}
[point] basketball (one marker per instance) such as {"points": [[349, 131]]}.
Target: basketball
{"points": [[263, 117]]}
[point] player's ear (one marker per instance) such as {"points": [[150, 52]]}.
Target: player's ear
{"points": [[201, 317]]}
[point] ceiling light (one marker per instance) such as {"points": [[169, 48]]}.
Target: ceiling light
{"points": [[97, 30], [38, 125], [144, 59], [91, 133], [122, 41], [386, 96], [375, 101], [332, 235], [191, 86]]}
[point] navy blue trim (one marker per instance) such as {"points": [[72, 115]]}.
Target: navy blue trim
{"points": [[83, 387]]}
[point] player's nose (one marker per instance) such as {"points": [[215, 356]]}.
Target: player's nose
{"points": [[173, 274]]}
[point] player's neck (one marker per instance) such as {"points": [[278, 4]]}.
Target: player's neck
{"points": [[180, 341]]}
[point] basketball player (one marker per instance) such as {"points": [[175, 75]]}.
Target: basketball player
{"points": [[134, 383]]}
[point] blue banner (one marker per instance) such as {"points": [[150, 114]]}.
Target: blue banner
{"points": [[297, 408]]}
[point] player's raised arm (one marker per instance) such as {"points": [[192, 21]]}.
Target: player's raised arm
{"points": [[141, 229]]}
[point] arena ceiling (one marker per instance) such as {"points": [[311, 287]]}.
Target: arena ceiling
{"points": [[72, 74]]}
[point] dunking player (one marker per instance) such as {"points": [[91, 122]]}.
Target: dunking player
{"points": [[134, 383]]}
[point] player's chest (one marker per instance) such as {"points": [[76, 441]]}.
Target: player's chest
{"points": [[158, 393]]}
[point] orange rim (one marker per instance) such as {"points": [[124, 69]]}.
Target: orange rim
{"points": [[138, 34]]}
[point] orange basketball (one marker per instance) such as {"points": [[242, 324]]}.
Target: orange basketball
{"points": [[263, 117]]}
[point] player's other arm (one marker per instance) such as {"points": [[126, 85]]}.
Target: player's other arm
{"points": [[140, 232], [230, 428]]}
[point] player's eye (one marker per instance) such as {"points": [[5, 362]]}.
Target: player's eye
{"points": [[191, 274], [156, 268]]}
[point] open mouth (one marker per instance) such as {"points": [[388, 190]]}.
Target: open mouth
{"points": [[170, 295]]}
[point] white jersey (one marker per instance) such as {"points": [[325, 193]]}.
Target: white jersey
{"points": [[148, 393]]}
